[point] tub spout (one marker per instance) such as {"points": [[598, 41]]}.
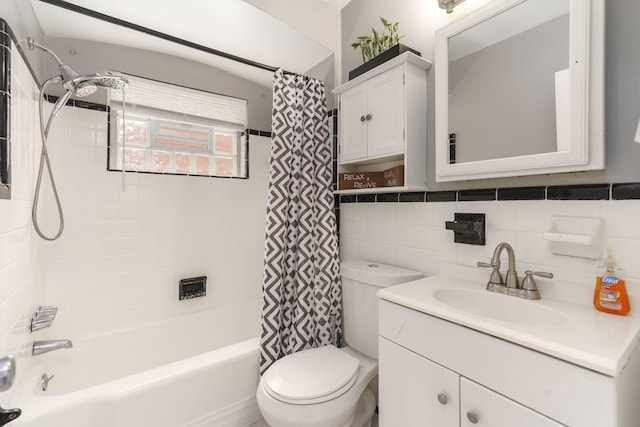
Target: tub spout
{"points": [[41, 347]]}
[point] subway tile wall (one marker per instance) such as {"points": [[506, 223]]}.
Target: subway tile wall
{"points": [[130, 238], [413, 235], [19, 280]]}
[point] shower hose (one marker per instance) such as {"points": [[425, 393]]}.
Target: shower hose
{"points": [[44, 160]]}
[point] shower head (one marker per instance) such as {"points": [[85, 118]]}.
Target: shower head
{"points": [[86, 85], [83, 85]]}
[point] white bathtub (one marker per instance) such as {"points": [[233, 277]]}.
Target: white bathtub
{"points": [[197, 370]]}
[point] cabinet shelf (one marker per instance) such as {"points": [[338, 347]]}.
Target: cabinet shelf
{"points": [[403, 189]]}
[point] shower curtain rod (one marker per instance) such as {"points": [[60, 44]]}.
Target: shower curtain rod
{"points": [[122, 23]]}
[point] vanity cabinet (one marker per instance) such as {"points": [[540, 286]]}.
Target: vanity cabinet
{"points": [[423, 357], [382, 122], [414, 391]]}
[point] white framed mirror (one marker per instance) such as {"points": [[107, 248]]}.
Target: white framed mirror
{"points": [[520, 90]]}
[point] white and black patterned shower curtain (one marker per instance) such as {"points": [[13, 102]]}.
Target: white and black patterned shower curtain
{"points": [[301, 302]]}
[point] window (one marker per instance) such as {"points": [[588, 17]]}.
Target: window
{"points": [[175, 130]]}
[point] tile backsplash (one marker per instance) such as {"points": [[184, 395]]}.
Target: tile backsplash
{"points": [[413, 235]]}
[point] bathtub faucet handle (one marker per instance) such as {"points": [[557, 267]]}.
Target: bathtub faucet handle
{"points": [[47, 310], [43, 317]]}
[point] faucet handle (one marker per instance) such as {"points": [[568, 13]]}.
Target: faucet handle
{"points": [[47, 310], [529, 283], [487, 265], [529, 286], [41, 322], [496, 277]]}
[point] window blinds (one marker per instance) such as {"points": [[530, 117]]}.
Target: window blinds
{"points": [[145, 95]]}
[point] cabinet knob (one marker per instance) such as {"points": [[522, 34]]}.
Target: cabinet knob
{"points": [[363, 118], [442, 398], [368, 117], [472, 417]]}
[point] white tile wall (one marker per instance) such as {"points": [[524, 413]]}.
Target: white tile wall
{"points": [[124, 249], [18, 252], [412, 235]]}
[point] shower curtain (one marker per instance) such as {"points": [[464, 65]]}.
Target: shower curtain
{"points": [[301, 302]]}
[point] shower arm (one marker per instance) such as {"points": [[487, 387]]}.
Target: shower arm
{"points": [[66, 73], [32, 44]]}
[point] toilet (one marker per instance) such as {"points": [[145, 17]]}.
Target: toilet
{"points": [[327, 386]]}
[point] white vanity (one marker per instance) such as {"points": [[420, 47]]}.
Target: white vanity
{"points": [[454, 354]]}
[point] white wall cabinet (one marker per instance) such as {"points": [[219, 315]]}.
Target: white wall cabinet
{"points": [[372, 117], [382, 121]]}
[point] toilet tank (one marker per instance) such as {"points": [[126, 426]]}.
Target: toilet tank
{"points": [[361, 280]]}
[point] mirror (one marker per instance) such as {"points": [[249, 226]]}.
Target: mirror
{"points": [[519, 90]]}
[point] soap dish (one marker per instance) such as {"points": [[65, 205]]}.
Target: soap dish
{"points": [[575, 236]]}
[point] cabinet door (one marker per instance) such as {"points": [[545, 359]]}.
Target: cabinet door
{"points": [[483, 407], [386, 112], [414, 391], [353, 124]]}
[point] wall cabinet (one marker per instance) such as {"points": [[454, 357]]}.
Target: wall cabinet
{"points": [[372, 117], [382, 122]]}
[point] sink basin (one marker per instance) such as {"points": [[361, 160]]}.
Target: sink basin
{"points": [[499, 307]]}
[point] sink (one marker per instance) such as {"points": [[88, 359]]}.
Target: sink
{"points": [[499, 307]]}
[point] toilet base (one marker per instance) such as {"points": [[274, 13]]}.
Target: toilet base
{"points": [[365, 409]]}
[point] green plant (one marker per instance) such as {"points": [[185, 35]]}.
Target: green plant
{"points": [[376, 43]]}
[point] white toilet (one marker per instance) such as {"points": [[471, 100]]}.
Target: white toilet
{"points": [[327, 386]]}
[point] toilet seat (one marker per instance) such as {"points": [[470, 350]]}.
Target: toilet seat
{"points": [[311, 376]]}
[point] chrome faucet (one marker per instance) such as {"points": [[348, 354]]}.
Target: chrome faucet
{"points": [[495, 281], [528, 289], [41, 347]]}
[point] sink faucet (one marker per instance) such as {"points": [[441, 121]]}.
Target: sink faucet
{"points": [[527, 290], [41, 347], [495, 281]]}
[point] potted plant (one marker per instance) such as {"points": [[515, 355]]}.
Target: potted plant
{"points": [[379, 47]]}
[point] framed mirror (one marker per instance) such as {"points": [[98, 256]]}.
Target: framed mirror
{"points": [[520, 90]]}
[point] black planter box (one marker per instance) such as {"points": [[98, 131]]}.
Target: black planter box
{"points": [[380, 59]]}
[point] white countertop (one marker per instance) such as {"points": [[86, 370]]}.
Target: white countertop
{"points": [[586, 337]]}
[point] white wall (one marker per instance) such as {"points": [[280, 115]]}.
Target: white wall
{"points": [[413, 235], [123, 251], [19, 281], [314, 18]]}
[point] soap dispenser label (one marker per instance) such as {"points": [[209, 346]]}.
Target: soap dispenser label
{"points": [[609, 297]]}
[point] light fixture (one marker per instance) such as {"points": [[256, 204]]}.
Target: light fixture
{"points": [[449, 4]]}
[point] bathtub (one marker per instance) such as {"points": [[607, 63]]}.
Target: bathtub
{"points": [[196, 370]]}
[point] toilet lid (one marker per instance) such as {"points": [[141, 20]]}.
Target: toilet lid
{"points": [[311, 376]]}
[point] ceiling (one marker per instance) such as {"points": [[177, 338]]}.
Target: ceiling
{"points": [[231, 26]]}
